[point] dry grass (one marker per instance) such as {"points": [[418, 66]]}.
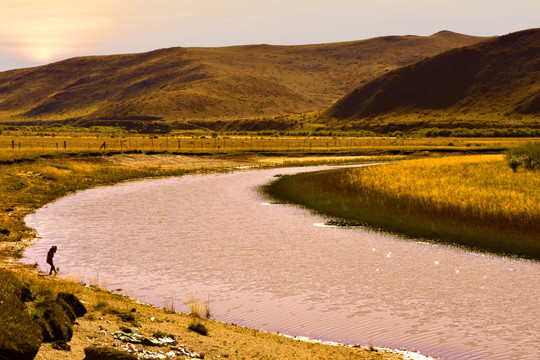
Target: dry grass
{"points": [[198, 308], [475, 189], [476, 201], [15, 147]]}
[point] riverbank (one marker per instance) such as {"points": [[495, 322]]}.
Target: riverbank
{"points": [[472, 201], [28, 185]]}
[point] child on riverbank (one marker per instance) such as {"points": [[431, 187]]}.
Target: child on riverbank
{"points": [[50, 256]]}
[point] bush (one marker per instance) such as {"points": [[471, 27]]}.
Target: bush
{"points": [[198, 328], [527, 156]]}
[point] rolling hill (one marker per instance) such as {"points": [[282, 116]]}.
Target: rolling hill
{"points": [[179, 84], [490, 84]]}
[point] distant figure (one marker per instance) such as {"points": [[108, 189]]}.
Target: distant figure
{"points": [[50, 256]]}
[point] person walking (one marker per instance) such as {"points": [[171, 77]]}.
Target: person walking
{"points": [[50, 256]]}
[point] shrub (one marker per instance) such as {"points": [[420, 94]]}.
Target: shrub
{"points": [[125, 316], [198, 328], [527, 155]]}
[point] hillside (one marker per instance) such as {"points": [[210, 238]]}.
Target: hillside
{"points": [[178, 84], [491, 83]]}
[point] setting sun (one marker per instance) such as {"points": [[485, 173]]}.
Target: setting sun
{"points": [[60, 30]]}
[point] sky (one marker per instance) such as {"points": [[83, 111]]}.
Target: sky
{"points": [[35, 32]]}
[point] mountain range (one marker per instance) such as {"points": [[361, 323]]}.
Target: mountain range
{"points": [[183, 84]]}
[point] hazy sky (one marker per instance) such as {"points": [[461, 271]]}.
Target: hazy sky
{"points": [[34, 32]]}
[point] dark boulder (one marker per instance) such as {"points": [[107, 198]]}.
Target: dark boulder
{"points": [[106, 353], [70, 299]]}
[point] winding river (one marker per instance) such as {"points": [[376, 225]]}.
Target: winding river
{"points": [[275, 268]]}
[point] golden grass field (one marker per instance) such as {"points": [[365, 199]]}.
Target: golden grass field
{"points": [[479, 189], [21, 144], [475, 201]]}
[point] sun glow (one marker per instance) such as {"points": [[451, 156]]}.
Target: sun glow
{"points": [[61, 29]]}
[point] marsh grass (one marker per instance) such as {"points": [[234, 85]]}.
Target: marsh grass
{"points": [[474, 201], [198, 310]]}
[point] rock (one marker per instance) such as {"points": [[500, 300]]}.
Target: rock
{"points": [[133, 338], [20, 335], [67, 309], [106, 353], [26, 294], [342, 223], [59, 323], [70, 299], [166, 341], [61, 345]]}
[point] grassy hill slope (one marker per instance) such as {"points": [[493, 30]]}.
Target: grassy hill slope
{"points": [[209, 83], [487, 84]]}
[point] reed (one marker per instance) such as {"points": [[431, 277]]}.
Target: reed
{"points": [[475, 201]]}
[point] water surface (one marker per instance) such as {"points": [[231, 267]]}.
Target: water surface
{"points": [[271, 267]]}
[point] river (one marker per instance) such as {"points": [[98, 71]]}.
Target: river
{"points": [[275, 267]]}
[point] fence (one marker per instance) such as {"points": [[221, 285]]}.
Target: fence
{"points": [[189, 144]]}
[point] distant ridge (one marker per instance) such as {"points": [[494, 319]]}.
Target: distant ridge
{"points": [[495, 80], [179, 84]]}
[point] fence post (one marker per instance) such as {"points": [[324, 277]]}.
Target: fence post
{"points": [[13, 144], [65, 144]]}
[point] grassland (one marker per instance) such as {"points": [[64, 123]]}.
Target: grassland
{"points": [[472, 201], [29, 142]]}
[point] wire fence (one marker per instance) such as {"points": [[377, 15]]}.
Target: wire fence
{"points": [[192, 144], [189, 144]]}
